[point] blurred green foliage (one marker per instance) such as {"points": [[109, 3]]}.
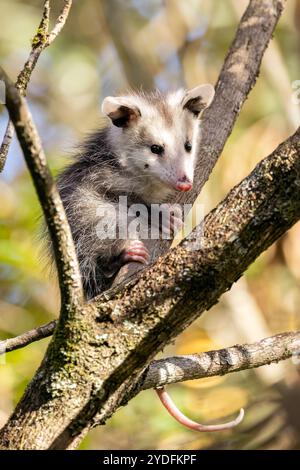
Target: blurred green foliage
{"points": [[105, 47]]}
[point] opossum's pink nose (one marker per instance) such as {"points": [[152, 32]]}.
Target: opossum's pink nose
{"points": [[184, 184]]}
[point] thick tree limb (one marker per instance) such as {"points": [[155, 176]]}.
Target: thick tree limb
{"points": [[64, 251], [41, 40], [98, 354]]}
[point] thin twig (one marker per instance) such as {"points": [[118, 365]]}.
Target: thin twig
{"points": [[60, 22], [31, 336], [38, 44], [41, 40]]}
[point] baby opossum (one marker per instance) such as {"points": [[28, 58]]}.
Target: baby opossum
{"points": [[147, 154]]}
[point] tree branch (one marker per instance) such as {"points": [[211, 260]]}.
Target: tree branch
{"points": [[41, 40], [237, 78], [220, 362], [60, 22], [31, 336], [64, 251]]}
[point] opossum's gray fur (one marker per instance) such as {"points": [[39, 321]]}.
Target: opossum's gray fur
{"points": [[95, 179]]}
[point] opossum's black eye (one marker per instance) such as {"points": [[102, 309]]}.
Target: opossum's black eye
{"points": [[188, 146], [158, 149]]}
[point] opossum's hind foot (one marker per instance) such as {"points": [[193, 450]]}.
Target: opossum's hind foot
{"points": [[135, 251]]}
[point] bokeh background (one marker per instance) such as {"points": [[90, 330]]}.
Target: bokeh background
{"points": [[106, 46]]}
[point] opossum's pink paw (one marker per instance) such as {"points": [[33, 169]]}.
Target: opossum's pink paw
{"points": [[135, 251]]}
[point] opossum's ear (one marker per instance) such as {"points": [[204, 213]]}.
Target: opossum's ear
{"points": [[198, 98], [120, 110]]}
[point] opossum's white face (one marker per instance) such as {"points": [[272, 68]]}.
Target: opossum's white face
{"points": [[156, 137]]}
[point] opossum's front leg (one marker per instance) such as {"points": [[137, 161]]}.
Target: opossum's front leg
{"points": [[133, 251]]}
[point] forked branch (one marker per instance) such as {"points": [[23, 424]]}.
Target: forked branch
{"points": [[41, 40]]}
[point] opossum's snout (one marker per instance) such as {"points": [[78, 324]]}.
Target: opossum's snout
{"points": [[184, 184]]}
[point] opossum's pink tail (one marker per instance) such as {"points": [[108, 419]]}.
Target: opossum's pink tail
{"points": [[181, 418]]}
